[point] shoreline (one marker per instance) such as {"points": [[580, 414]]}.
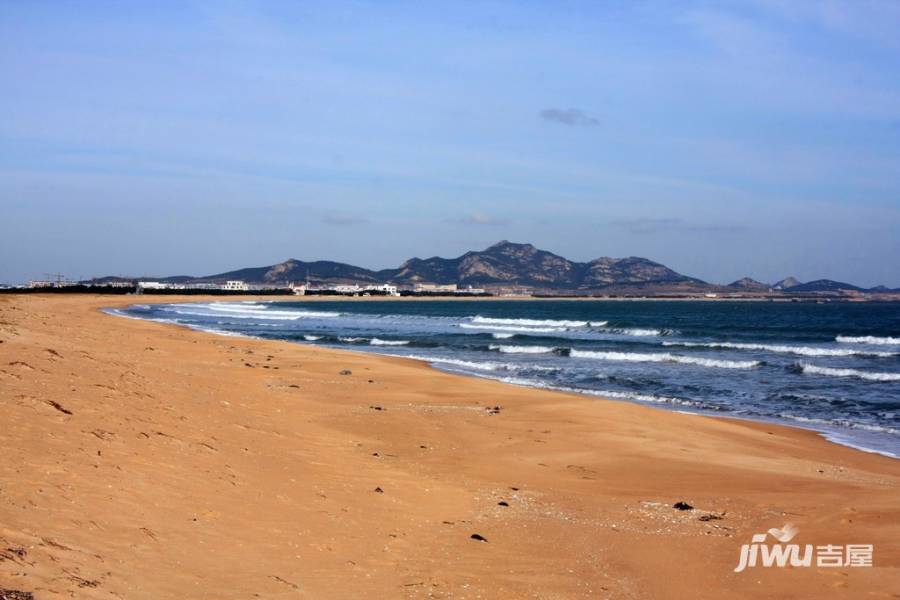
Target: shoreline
{"points": [[834, 435], [169, 457]]}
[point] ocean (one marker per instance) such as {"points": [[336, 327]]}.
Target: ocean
{"points": [[833, 368]]}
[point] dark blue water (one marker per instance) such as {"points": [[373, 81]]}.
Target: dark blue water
{"points": [[833, 367]]}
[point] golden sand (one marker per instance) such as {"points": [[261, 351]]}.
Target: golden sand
{"points": [[140, 460]]}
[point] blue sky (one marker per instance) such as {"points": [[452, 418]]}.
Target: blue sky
{"points": [[757, 138]]}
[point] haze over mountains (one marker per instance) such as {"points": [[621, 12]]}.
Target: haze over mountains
{"points": [[508, 264]]}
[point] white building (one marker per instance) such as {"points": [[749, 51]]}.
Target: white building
{"points": [[153, 285], [390, 290], [235, 285], [435, 287], [346, 289]]}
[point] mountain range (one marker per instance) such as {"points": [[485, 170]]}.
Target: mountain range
{"points": [[508, 264]]}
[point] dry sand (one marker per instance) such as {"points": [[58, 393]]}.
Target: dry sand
{"points": [[140, 460]]}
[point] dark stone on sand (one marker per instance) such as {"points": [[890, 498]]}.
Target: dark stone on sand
{"points": [[379, 490], [682, 505], [503, 503], [478, 538], [346, 372], [710, 517], [376, 407], [59, 407], [15, 595]]}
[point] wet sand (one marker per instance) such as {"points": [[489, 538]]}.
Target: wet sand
{"points": [[142, 460]]}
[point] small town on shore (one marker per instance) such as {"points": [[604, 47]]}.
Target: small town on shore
{"points": [[425, 289]]}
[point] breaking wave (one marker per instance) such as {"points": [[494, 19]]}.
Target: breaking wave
{"points": [[834, 372], [245, 311], [666, 357], [511, 328], [868, 339], [380, 342], [801, 350], [640, 332], [522, 349], [528, 322]]}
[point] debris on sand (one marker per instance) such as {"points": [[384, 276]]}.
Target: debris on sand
{"points": [[682, 505], [376, 407], [493, 410], [711, 517], [345, 372], [59, 407], [478, 537], [15, 595]]}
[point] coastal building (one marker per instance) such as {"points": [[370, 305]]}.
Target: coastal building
{"points": [[471, 290], [346, 289], [235, 285], [38, 283], [435, 287], [386, 288]]}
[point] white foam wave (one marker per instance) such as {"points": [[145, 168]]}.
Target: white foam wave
{"points": [[262, 311], [800, 350], [240, 312], [640, 332], [841, 423], [868, 339], [351, 339], [521, 349], [502, 336], [515, 329], [478, 366], [834, 372], [528, 322], [312, 338], [636, 396], [666, 357], [380, 342], [598, 323]]}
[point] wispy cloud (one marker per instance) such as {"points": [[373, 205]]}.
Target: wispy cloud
{"points": [[652, 225], [572, 117], [484, 219], [647, 225], [344, 220]]}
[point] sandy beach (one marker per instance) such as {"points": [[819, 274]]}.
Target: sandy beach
{"points": [[144, 460]]}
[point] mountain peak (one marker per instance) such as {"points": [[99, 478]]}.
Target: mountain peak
{"points": [[749, 284], [507, 244], [787, 283]]}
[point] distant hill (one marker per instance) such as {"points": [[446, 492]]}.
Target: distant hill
{"points": [[824, 285], [787, 283], [503, 264], [749, 285], [522, 264], [293, 270], [508, 264]]}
